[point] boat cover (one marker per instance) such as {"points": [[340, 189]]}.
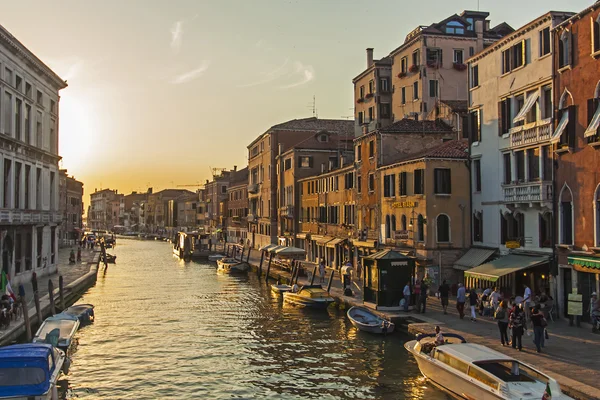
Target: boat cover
{"points": [[24, 369]]}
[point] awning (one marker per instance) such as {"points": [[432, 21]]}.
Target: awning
{"points": [[289, 251], [472, 258], [301, 235], [562, 125], [593, 127], [527, 106], [589, 262], [268, 247], [493, 270], [334, 242], [323, 239], [365, 243]]}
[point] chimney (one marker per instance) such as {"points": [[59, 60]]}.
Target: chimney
{"points": [[149, 190], [207, 181], [479, 32], [342, 161], [369, 57], [280, 148], [234, 168], [487, 25]]}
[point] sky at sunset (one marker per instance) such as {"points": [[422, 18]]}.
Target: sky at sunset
{"points": [[160, 91]]}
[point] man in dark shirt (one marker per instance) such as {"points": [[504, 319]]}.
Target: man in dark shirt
{"points": [[444, 293]]}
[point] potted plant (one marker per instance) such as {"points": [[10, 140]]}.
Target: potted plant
{"points": [[459, 66], [414, 68], [360, 100], [369, 95], [401, 74]]}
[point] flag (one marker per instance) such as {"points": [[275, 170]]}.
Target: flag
{"points": [[547, 393], [8, 291]]}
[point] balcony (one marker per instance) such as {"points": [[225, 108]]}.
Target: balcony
{"points": [[286, 212], [253, 188], [528, 192], [18, 217], [533, 133]]}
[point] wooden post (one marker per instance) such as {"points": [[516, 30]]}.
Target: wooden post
{"points": [[294, 267], [248, 257], [262, 256], [312, 278], [38, 309], [268, 268], [51, 296], [26, 318], [103, 252], [330, 281], [242, 255], [61, 292], [227, 250], [297, 273]]}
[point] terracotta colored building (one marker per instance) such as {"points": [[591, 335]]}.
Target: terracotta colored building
{"points": [[577, 137], [236, 221]]}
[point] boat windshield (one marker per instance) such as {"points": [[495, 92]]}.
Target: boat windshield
{"points": [[21, 376], [511, 371]]}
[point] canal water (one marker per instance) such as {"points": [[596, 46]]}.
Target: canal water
{"points": [[169, 329]]}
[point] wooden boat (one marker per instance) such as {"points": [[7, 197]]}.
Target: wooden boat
{"points": [[367, 321], [280, 288], [58, 331], [311, 296], [191, 245], [472, 371], [232, 266], [215, 257], [31, 371], [83, 312]]}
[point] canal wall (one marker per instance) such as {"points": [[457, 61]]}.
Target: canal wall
{"points": [[71, 293]]}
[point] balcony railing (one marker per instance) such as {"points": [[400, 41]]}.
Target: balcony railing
{"points": [[528, 192], [253, 188], [533, 133], [29, 217]]}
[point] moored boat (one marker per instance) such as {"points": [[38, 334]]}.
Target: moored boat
{"points": [[232, 266], [475, 372], [310, 296], [367, 321], [215, 257], [58, 331], [30, 371], [83, 312], [280, 288]]}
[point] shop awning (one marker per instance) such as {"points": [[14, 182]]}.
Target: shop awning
{"points": [[365, 243], [289, 251], [527, 106], [301, 235], [334, 242], [589, 262], [562, 125], [593, 127], [493, 270], [268, 247], [474, 257], [324, 239]]}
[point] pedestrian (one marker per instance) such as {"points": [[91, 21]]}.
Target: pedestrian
{"points": [[358, 270], [527, 304], [424, 293], [539, 324], [501, 316], [473, 304], [346, 274], [439, 338], [417, 295], [461, 298], [495, 298], [322, 271], [595, 312], [516, 324], [78, 254], [406, 293], [444, 293]]}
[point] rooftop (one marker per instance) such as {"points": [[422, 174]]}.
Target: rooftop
{"points": [[456, 105], [407, 125], [315, 124]]}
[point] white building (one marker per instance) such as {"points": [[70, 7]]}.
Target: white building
{"points": [[29, 209], [510, 125]]}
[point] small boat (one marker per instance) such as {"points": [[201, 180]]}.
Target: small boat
{"points": [[58, 331], [232, 266], [472, 371], [280, 288], [215, 257], [30, 371], [83, 312], [367, 321], [311, 296]]}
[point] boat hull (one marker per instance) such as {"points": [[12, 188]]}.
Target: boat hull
{"points": [[305, 302], [372, 328], [228, 268], [376, 326], [280, 289]]}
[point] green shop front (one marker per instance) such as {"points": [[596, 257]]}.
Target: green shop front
{"points": [[585, 277], [386, 273]]}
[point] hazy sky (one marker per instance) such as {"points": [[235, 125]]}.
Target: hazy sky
{"points": [[159, 91]]}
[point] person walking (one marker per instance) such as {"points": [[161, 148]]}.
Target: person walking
{"points": [[461, 298], [444, 293], [322, 271], [516, 322], [473, 304], [424, 293], [539, 324], [79, 254], [417, 295], [495, 298], [527, 304], [406, 293], [501, 316]]}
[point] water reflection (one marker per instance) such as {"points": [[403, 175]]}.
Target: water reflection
{"points": [[168, 329]]}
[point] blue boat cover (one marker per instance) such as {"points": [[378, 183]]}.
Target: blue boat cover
{"points": [[25, 369]]}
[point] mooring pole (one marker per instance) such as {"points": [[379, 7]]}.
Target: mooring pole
{"points": [[297, 273], [248, 257], [51, 296], [312, 278], [242, 255], [262, 256], [293, 271], [61, 292], [268, 268], [25, 311], [330, 281], [36, 298]]}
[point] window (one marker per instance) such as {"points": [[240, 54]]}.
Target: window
{"points": [[564, 50], [420, 228], [371, 86], [471, 51], [40, 98], [567, 139], [471, 125], [478, 226], [18, 108], [545, 41], [371, 182], [477, 173], [546, 227], [361, 119], [371, 148], [434, 58], [323, 138], [8, 113], [371, 114], [470, 28], [433, 88], [596, 35], [349, 180], [404, 65], [389, 186], [474, 76], [520, 165], [403, 184], [453, 362], [362, 92], [8, 76], [483, 377], [416, 57], [387, 227], [359, 152], [566, 216], [416, 90], [358, 184], [403, 95], [505, 120], [27, 123], [53, 106], [546, 106], [443, 228], [533, 164], [507, 168], [38, 131], [403, 222], [419, 181], [385, 110], [513, 57], [18, 83], [455, 27], [305, 161], [442, 184], [28, 89], [592, 132], [384, 85], [459, 56]]}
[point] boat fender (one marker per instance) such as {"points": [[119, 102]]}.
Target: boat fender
{"points": [[66, 366]]}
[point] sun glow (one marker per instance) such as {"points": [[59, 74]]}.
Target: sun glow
{"points": [[79, 128]]}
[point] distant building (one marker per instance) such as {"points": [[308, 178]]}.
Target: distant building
{"points": [[215, 193], [156, 209], [104, 210], [235, 219], [71, 208], [30, 215], [134, 204]]}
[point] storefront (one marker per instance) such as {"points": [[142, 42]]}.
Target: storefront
{"points": [[583, 274], [386, 273]]}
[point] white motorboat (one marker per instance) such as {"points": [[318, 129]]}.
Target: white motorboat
{"points": [[232, 266], [475, 372], [310, 296], [215, 257], [58, 331], [280, 288], [367, 321]]}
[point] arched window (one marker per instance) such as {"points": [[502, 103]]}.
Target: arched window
{"points": [[393, 223], [420, 228], [597, 216], [403, 222], [387, 227], [565, 219], [564, 49], [443, 228]]}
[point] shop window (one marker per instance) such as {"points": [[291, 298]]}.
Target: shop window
{"points": [[420, 228]]}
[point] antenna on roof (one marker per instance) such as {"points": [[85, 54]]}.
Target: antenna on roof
{"points": [[313, 106], [478, 5]]}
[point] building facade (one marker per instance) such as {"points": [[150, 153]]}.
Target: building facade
{"points": [[104, 210], [236, 216], [71, 208], [156, 210], [216, 198], [577, 137]]}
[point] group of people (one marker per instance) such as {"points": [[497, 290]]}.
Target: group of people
{"points": [[72, 256], [420, 291]]}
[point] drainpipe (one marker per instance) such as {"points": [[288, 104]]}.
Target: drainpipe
{"points": [[555, 216]]}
